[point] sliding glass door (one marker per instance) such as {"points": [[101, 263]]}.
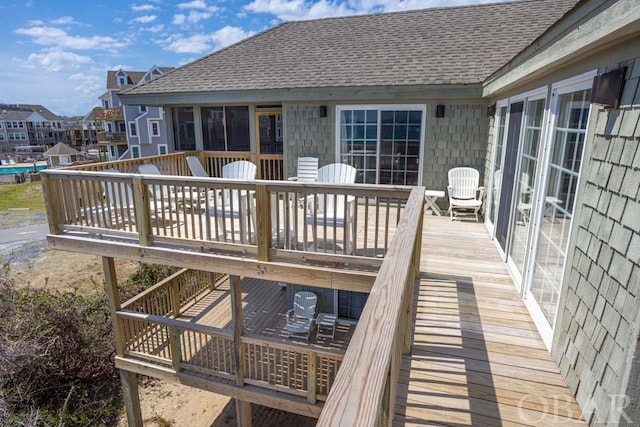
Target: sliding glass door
{"points": [[556, 204], [383, 143], [493, 195]]}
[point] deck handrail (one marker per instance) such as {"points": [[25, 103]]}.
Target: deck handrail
{"points": [[77, 202], [364, 390], [166, 341]]}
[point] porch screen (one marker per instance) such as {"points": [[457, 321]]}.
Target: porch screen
{"points": [[225, 128], [184, 129]]}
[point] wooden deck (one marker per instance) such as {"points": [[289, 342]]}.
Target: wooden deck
{"points": [[264, 307], [476, 357]]}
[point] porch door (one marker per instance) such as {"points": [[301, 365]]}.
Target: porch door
{"points": [[493, 195], [269, 132], [556, 204], [383, 143], [508, 173]]}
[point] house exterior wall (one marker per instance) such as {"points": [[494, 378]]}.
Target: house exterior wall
{"points": [[596, 337], [457, 139]]}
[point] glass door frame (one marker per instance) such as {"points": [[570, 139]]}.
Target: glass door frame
{"points": [[578, 83], [503, 103], [379, 108]]}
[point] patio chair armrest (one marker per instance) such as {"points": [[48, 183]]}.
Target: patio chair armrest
{"points": [[289, 315], [450, 191], [481, 189], [292, 178]]}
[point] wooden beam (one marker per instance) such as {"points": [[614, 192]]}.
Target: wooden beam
{"points": [[131, 398], [251, 394], [319, 276], [236, 315], [113, 297], [243, 413], [312, 357], [52, 203]]}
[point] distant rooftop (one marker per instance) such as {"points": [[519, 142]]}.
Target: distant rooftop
{"points": [[24, 111], [453, 45]]}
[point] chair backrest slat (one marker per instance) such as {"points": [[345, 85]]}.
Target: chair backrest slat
{"points": [[464, 182], [304, 304], [196, 167], [339, 173], [307, 169]]}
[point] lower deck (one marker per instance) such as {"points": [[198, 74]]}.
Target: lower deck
{"points": [[476, 357]]}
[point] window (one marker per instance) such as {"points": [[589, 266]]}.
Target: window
{"points": [[121, 126], [142, 108], [162, 149], [122, 81], [21, 124], [135, 151], [225, 128], [184, 129], [382, 142], [1, 136], [105, 103], [155, 128], [133, 129], [0, 125]]}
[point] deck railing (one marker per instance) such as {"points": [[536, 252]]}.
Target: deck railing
{"points": [[171, 295], [364, 391], [270, 166], [267, 363], [264, 219]]}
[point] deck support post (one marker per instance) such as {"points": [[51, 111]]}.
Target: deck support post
{"points": [[236, 315], [131, 398], [312, 357], [113, 297], [52, 204], [243, 413]]}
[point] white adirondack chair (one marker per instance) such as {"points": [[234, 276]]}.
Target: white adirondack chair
{"points": [[160, 193], [329, 209], [196, 167], [307, 170], [236, 204], [465, 194], [300, 317]]}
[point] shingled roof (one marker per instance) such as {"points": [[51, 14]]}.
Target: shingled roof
{"points": [[133, 77], [455, 45]]}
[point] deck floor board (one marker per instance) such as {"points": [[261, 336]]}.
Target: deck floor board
{"points": [[477, 358]]}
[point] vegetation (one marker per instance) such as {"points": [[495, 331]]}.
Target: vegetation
{"points": [[22, 196], [56, 354]]}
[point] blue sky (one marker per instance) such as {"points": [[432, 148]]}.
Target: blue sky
{"points": [[57, 52]]}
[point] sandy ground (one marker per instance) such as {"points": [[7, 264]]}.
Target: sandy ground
{"points": [[163, 404]]}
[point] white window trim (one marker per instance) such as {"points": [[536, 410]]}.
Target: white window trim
{"points": [[135, 125], [151, 128], [414, 107], [166, 149], [143, 108], [134, 149]]}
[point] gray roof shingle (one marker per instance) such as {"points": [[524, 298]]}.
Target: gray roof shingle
{"points": [[457, 45], [133, 77]]}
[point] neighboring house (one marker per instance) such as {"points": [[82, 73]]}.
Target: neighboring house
{"points": [[61, 155], [82, 130], [505, 88], [28, 130], [131, 131]]}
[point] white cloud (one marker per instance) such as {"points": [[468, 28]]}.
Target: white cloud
{"points": [[154, 29], [197, 4], [57, 60], [179, 19], [199, 43], [88, 84], [142, 7], [145, 19], [51, 36], [67, 20], [293, 10]]}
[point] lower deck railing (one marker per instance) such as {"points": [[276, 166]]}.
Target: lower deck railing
{"points": [[267, 363]]}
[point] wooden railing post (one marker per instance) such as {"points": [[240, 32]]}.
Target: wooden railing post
{"points": [[312, 379], [263, 222], [174, 344], [236, 314], [53, 203], [174, 289], [142, 211]]}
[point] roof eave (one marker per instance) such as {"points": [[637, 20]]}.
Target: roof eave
{"points": [[352, 93], [564, 44]]}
